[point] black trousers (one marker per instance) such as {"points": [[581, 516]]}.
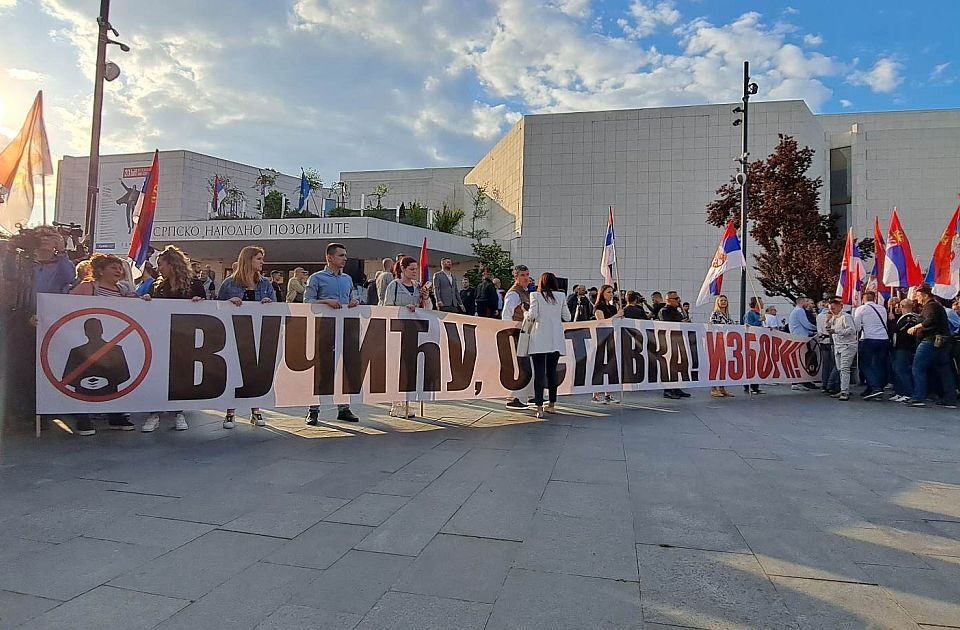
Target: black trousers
{"points": [[545, 375]]}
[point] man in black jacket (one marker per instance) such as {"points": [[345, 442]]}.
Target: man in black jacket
{"points": [[904, 347], [933, 352], [670, 312], [579, 304]]}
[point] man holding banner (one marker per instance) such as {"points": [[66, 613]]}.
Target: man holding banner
{"points": [[332, 287]]}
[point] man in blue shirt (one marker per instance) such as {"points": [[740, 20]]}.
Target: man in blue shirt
{"points": [[801, 325], [331, 287]]}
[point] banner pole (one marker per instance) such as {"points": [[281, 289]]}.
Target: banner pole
{"points": [[618, 292]]}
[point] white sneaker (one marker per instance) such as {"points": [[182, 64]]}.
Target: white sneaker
{"points": [[257, 419], [151, 423], [228, 421], [181, 423], [797, 387]]}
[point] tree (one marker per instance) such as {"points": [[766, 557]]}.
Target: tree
{"points": [[416, 214], [275, 206], [380, 192], [233, 196], [313, 178], [497, 261], [800, 248], [480, 212], [447, 219]]}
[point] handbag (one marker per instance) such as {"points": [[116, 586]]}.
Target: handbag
{"points": [[523, 341]]}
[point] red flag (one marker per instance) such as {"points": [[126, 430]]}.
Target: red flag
{"points": [[424, 265]]}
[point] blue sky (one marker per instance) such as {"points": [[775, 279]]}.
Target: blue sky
{"points": [[353, 84]]}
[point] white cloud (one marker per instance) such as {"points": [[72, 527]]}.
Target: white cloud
{"points": [[647, 18], [345, 84], [7, 4], [578, 8], [939, 69], [812, 40], [844, 103], [23, 74], [883, 77]]}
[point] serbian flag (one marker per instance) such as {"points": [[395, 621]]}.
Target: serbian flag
{"points": [[729, 256], [879, 256], [219, 192], [609, 257], [852, 272], [143, 215], [900, 268], [424, 265], [944, 273]]}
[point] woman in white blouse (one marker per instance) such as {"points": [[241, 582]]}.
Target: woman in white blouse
{"points": [[548, 311]]}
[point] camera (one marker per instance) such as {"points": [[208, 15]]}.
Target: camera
{"points": [[72, 234]]}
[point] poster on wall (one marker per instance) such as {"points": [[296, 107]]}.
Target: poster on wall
{"points": [[121, 184]]}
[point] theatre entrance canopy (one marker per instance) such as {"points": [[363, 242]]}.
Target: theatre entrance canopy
{"points": [[303, 241]]}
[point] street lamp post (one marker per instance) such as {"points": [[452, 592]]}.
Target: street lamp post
{"points": [[103, 73], [749, 89]]}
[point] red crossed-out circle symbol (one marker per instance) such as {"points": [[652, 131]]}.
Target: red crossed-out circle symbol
{"points": [[131, 326]]}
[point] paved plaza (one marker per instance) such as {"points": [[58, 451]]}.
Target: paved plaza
{"points": [[790, 510]]}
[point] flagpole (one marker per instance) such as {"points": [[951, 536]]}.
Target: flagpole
{"points": [[616, 262], [43, 189]]}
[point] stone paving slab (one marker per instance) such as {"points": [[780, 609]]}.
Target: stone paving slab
{"points": [[108, 608], [773, 512]]}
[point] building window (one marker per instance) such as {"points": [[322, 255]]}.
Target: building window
{"points": [[841, 187]]}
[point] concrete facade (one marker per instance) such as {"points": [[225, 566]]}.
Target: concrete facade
{"points": [[555, 176]]}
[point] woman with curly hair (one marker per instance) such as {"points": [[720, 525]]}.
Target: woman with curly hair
{"points": [[175, 281], [105, 279], [247, 284]]}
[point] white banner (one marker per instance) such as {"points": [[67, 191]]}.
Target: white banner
{"points": [[116, 354]]}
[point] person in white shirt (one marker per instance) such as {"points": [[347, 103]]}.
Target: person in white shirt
{"points": [[843, 330], [548, 311], [770, 319], [384, 278], [830, 378], [515, 304], [871, 319]]}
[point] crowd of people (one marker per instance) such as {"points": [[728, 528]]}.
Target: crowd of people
{"points": [[911, 344]]}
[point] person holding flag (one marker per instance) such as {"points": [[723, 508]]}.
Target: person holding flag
{"points": [[729, 256], [943, 276], [852, 273], [406, 292], [900, 268], [879, 253], [609, 256]]}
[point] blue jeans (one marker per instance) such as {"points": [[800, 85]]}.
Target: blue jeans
{"points": [[873, 362], [829, 375], [903, 372], [929, 360]]}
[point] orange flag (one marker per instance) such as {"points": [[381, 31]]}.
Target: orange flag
{"points": [[26, 157]]}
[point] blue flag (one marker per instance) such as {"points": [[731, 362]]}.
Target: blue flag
{"points": [[304, 191]]}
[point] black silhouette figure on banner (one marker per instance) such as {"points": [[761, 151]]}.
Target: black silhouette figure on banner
{"points": [[129, 199], [104, 375]]}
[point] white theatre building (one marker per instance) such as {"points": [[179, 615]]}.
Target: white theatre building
{"points": [[556, 175], [552, 178]]}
